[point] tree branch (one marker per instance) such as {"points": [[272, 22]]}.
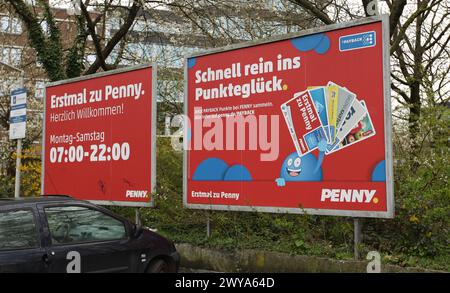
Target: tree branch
{"points": [[316, 11], [116, 37], [92, 32], [396, 8]]}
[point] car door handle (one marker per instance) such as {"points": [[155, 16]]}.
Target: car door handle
{"points": [[46, 258]]}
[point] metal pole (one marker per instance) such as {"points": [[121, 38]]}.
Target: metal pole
{"points": [[18, 151], [167, 126], [357, 237], [18, 163], [137, 215], [208, 225]]}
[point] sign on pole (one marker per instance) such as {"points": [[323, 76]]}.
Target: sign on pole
{"points": [[99, 139], [18, 114], [296, 124]]}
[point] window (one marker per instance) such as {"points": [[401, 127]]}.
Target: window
{"points": [[4, 21], [44, 27], [11, 55], [17, 230], [275, 5], [10, 25], [73, 224], [112, 25], [16, 26], [90, 58], [139, 26]]}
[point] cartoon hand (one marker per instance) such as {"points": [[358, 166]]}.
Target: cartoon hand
{"points": [[322, 145], [322, 148], [280, 182]]}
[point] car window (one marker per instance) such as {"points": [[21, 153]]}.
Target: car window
{"points": [[74, 224], [17, 230]]}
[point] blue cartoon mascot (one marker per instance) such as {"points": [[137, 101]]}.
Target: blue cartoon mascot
{"points": [[299, 169]]}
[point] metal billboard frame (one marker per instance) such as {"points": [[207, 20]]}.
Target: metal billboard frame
{"points": [[390, 204], [154, 84]]}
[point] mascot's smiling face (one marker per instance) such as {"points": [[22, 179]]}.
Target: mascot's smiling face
{"points": [[293, 166], [304, 168]]}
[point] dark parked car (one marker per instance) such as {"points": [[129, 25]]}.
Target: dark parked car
{"points": [[61, 234]]}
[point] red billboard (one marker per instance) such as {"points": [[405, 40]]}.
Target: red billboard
{"points": [[296, 124], [99, 137]]}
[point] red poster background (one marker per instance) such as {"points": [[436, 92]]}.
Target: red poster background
{"points": [[107, 180], [361, 71]]}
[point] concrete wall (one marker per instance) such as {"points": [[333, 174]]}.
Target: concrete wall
{"points": [[265, 261]]}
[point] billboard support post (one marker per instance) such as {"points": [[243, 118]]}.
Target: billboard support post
{"points": [[18, 164], [357, 237], [208, 225], [137, 215]]}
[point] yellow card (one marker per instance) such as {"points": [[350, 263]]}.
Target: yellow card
{"points": [[332, 105]]}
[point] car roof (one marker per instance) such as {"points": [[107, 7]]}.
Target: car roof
{"points": [[34, 200], [30, 202]]}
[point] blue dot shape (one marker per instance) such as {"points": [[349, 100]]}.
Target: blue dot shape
{"points": [[379, 172], [323, 46], [211, 169], [191, 62], [237, 173], [307, 43]]}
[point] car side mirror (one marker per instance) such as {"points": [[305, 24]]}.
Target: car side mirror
{"points": [[137, 230]]}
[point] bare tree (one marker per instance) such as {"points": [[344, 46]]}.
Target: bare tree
{"points": [[420, 35]]}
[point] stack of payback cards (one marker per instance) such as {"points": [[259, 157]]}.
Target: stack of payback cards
{"points": [[330, 113]]}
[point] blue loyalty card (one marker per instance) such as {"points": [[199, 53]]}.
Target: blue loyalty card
{"points": [[312, 139], [318, 97]]}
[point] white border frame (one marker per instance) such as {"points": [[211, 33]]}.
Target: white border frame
{"points": [[390, 204], [154, 85]]}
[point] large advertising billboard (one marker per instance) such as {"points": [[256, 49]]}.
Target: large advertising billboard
{"points": [[100, 139], [297, 124]]}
